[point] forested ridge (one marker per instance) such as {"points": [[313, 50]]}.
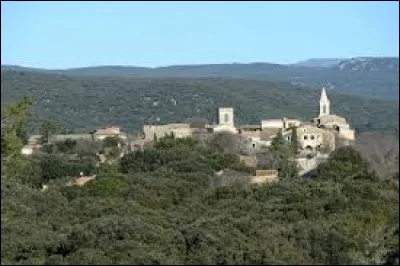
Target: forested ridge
{"points": [[84, 103], [158, 206], [370, 77]]}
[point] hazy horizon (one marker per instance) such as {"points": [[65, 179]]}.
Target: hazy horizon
{"points": [[64, 35], [223, 63]]}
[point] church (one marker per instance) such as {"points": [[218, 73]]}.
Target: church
{"points": [[323, 134], [329, 121]]}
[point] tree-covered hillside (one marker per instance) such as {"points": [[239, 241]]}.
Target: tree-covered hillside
{"points": [[83, 103], [368, 77], [158, 206]]}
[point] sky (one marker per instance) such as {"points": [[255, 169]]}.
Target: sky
{"points": [[78, 34]]}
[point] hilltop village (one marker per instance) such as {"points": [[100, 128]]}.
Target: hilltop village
{"points": [[316, 138]]}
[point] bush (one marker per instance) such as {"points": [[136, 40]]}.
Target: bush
{"points": [[111, 141], [66, 146], [345, 164], [111, 186]]}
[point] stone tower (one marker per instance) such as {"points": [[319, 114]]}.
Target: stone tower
{"points": [[324, 104], [225, 116]]}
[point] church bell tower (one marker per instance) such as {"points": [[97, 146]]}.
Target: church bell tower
{"points": [[324, 104]]}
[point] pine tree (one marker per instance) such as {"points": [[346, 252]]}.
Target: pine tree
{"points": [[13, 123], [278, 143], [283, 153], [48, 128], [294, 141]]}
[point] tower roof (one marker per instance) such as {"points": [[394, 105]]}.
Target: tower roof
{"points": [[323, 98]]}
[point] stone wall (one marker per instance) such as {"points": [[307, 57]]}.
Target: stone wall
{"points": [[179, 130], [346, 133], [55, 138], [329, 142], [264, 176]]}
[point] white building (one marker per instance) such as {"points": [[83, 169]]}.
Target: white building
{"points": [[283, 123]]}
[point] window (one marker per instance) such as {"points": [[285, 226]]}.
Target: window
{"points": [[305, 137], [254, 145], [312, 137], [226, 118]]}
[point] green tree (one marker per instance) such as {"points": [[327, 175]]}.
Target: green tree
{"points": [[345, 163], [283, 157], [13, 124], [278, 142], [66, 145], [111, 141], [294, 141], [48, 128], [114, 152]]}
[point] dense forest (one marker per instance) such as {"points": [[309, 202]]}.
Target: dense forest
{"points": [[84, 103], [159, 206]]}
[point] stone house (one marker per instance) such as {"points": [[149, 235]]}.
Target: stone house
{"points": [[315, 139], [260, 138], [103, 133], [180, 130], [309, 137]]}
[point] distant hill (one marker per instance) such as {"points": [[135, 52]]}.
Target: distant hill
{"points": [[84, 103], [367, 77], [369, 64], [319, 62]]}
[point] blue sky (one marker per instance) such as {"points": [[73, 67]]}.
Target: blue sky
{"points": [[77, 34]]}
